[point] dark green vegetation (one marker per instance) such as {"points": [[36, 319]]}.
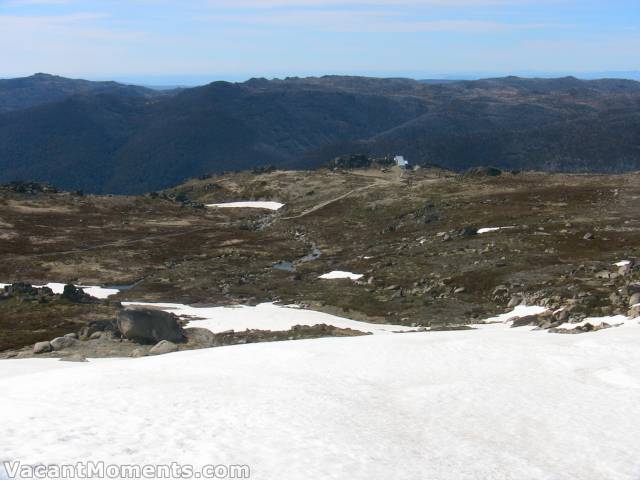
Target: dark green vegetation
{"points": [[114, 139], [411, 234]]}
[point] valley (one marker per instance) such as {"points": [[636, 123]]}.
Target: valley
{"points": [[109, 138], [427, 248]]}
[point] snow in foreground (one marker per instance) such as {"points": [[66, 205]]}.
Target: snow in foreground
{"points": [[264, 205], [94, 291], [493, 403], [266, 316], [337, 274]]}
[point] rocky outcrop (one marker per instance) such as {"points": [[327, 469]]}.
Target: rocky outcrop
{"points": [[61, 343], [347, 162], [77, 295], [200, 338], [483, 172], [42, 347], [145, 325], [163, 347], [96, 328]]}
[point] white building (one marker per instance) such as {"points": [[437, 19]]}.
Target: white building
{"points": [[400, 161]]}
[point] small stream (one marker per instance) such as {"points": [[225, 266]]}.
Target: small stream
{"points": [[290, 266], [123, 288]]}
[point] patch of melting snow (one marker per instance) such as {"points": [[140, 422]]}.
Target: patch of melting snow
{"points": [[263, 205], [290, 266], [523, 311], [337, 274], [622, 263], [94, 291], [517, 312], [614, 321], [493, 229], [265, 316]]}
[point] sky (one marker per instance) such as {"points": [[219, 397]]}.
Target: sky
{"points": [[194, 41]]}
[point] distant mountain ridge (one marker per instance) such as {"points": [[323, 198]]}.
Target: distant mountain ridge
{"points": [[41, 88], [111, 138]]}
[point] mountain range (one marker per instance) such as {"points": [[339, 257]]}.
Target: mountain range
{"points": [[107, 137]]}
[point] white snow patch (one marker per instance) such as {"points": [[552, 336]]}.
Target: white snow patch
{"points": [[622, 263], [266, 316], [264, 205], [339, 274], [489, 403], [492, 229], [94, 291]]}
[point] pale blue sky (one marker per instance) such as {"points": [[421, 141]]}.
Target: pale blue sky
{"points": [[190, 41]]}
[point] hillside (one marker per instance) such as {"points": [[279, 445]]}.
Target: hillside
{"points": [[41, 88], [107, 141]]}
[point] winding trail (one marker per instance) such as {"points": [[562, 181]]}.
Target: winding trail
{"points": [[326, 203], [376, 182]]}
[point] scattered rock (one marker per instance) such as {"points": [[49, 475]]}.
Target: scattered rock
{"points": [[348, 162], [483, 172], [634, 299], [588, 236], [562, 315], [532, 320], [500, 290], [468, 231], [163, 347], [95, 335], [625, 269], [145, 325], [98, 326], [76, 357], [200, 338], [515, 301], [61, 343], [587, 327], [77, 295], [138, 352], [42, 347]]}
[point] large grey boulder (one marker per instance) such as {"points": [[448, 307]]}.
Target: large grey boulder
{"points": [[163, 347], [625, 269], [42, 347], [515, 301], [145, 325], [634, 299], [200, 338], [138, 352], [61, 343]]}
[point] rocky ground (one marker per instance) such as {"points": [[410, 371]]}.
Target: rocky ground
{"points": [[415, 236]]}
